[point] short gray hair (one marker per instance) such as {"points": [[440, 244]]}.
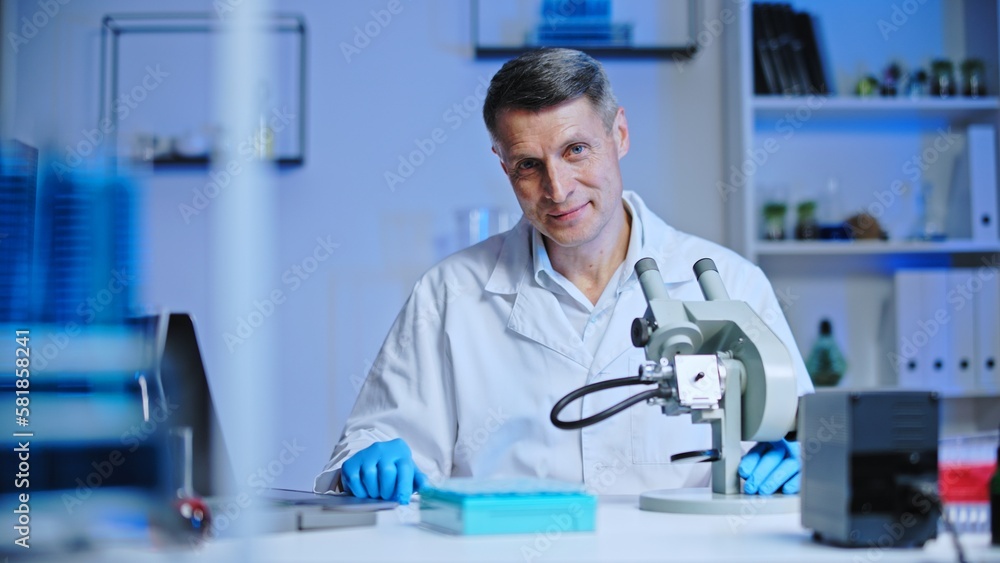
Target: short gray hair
{"points": [[547, 77]]}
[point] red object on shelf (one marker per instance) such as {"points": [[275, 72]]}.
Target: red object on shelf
{"points": [[965, 482]]}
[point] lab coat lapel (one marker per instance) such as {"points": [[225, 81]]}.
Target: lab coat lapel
{"points": [[536, 314]]}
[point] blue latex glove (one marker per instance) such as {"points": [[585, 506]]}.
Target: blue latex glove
{"points": [[383, 470], [770, 466]]}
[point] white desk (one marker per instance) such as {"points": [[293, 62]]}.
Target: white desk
{"points": [[624, 533]]}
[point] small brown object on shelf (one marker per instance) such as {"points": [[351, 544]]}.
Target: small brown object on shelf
{"points": [[864, 226]]}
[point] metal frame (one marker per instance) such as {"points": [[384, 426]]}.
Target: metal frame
{"points": [[676, 53], [113, 26]]}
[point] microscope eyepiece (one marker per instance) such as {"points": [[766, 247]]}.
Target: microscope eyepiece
{"points": [[704, 265], [645, 265], [710, 281]]}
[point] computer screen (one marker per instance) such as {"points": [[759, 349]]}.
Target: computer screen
{"points": [[181, 386]]}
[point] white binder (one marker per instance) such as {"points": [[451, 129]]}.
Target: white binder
{"points": [[987, 315], [936, 322], [983, 182], [960, 303], [907, 362]]}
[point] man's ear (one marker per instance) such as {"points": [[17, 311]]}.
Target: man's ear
{"points": [[621, 132], [502, 164]]}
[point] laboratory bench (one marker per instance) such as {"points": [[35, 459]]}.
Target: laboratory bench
{"points": [[624, 533]]}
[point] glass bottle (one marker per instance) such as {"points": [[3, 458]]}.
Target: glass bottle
{"points": [[942, 78], [806, 228], [774, 220], [973, 78], [826, 365], [774, 207]]}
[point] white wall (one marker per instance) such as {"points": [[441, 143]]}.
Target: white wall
{"points": [[362, 116]]}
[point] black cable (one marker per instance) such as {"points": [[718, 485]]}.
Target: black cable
{"points": [[949, 527], [929, 491], [609, 412]]}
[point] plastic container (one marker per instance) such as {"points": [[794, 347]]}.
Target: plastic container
{"points": [[965, 465], [471, 506]]}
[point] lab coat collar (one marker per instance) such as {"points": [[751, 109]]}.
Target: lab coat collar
{"points": [[542, 265], [635, 247], [513, 274], [514, 261], [530, 313], [653, 238], [659, 241]]}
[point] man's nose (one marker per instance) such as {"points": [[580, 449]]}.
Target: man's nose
{"points": [[559, 182]]}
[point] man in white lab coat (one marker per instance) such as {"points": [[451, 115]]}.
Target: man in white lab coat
{"points": [[495, 334]]}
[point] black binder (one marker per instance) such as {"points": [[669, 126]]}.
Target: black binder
{"points": [[787, 58]]}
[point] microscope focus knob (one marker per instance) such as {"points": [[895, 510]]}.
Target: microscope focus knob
{"points": [[640, 332]]}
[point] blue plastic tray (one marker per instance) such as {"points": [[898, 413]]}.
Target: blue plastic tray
{"points": [[473, 506]]}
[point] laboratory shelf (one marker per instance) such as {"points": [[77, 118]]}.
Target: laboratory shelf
{"points": [[773, 107], [796, 248]]}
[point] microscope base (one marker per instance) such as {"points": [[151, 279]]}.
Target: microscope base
{"points": [[704, 501]]}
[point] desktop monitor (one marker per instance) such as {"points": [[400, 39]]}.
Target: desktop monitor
{"points": [[179, 382]]}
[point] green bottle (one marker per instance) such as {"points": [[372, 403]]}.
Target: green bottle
{"points": [[826, 364], [995, 501]]}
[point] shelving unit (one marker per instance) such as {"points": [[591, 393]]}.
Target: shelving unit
{"points": [[796, 144]]}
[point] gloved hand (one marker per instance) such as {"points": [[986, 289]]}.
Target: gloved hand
{"points": [[382, 470], [770, 466]]}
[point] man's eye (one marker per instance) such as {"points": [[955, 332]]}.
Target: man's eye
{"points": [[526, 165], [577, 149]]}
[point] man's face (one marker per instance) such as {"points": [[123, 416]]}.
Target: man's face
{"points": [[563, 166]]}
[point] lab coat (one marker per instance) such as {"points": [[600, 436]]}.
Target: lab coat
{"points": [[480, 353]]}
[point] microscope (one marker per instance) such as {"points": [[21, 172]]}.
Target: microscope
{"points": [[871, 479], [719, 362]]}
